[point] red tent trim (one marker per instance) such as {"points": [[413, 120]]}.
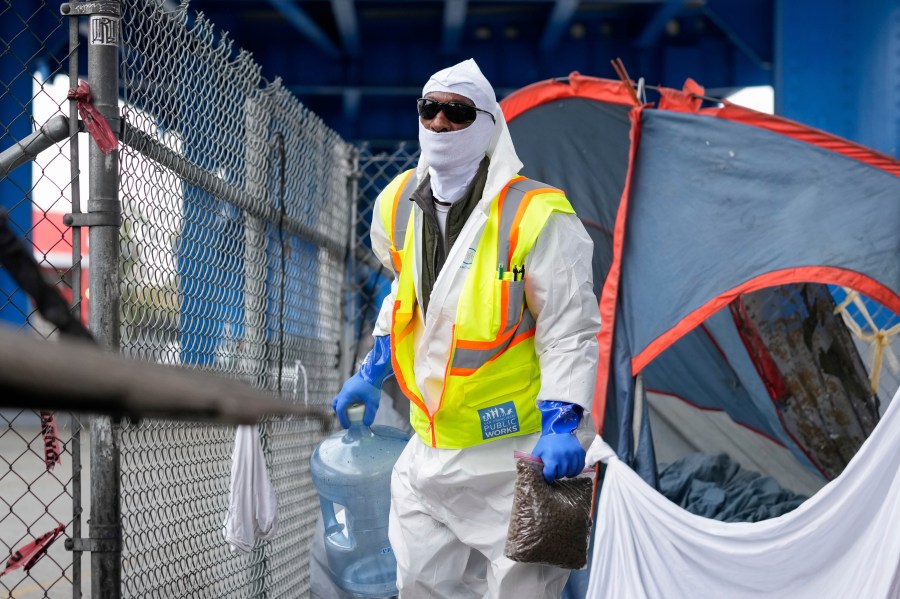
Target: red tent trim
{"points": [[804, 274], [766, 382], [609, 295], [715, 343], [806, 134], [759, 354], [687, 99], [578, 86], [768, 372]]}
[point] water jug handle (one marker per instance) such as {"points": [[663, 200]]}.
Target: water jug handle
{"points": [[332, 526]]}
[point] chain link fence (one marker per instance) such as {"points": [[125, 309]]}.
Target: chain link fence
{"points": [[370, 283], [235, 204], [40, 453]]}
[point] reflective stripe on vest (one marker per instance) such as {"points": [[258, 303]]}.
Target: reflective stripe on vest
{"points": [[465, 361], [512, 207], [400, 214]]}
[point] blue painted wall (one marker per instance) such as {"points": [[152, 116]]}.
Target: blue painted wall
{"points": [[838, 68], [16, 70]]}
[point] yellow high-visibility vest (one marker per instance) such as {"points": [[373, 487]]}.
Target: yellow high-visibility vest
{"points": [[492, 374]]}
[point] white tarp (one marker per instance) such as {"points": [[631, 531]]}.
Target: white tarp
{"points": [[843, 542]]}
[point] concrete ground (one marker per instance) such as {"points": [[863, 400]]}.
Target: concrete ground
{"points": [[34, 501]]}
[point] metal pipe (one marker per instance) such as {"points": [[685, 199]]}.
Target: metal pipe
{"points": [[54, 131], [256, 358], [350, 292], [89, 380], [103, 198], [75, 172]]}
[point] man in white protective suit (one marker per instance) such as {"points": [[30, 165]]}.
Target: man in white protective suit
{"points": [[490, 329]]}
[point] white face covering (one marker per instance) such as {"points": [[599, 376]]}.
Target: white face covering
{"points": [[452, 164], [453, 156]]}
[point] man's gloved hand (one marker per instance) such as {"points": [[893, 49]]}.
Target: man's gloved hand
{"points": [[356, 390], [365, 386], [558, 446]]}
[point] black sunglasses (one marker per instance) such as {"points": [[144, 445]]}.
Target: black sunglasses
{"points": [[456, 112]]}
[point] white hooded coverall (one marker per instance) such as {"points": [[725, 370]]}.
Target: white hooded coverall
{"points": [[450, 509]]}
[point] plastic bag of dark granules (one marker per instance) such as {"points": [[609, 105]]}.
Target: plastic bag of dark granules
{"points": [[550, 523]]}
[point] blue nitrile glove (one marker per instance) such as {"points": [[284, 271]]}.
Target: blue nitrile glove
{"points": [[558, 446], [365, 386]]}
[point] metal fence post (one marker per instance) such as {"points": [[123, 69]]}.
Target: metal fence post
{"points": [[105, 211], [351, 312], [74, 158], [255, 351], [105, 523]]}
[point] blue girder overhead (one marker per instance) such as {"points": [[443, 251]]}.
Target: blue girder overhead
{"points": [[834, 64], [560, 20], [388, 49], [360, 63], [345, 17], [454, 19], [298, 19], [654, 29]]}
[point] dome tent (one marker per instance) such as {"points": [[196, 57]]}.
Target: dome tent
{"points": [[713, 203], [715, 232]]}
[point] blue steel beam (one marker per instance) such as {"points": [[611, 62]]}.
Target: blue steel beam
{"points": [[562, 14], [302, 23], [345, 17], [654, 29], [20, 39], [375, 90], [454, 18], [402, 43], [351, 101], [735, 38]]}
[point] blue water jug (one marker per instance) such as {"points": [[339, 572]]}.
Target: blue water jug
{"points": [[351, 470]]}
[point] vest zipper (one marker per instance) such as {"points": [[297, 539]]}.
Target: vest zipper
{"points": [[443, 387], [430, 429], [439, 258]]}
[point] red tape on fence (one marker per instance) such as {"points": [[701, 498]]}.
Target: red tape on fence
{"points": [[30, 553], [96, 124], [52, 449]]}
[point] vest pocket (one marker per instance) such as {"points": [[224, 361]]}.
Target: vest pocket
{"points": [[486, 390], [470, 355], [512, 302]]}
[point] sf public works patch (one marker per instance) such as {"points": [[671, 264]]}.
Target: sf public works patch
{"points": [[499, 420]]}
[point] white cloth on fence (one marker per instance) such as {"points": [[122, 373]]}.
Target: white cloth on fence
{"points": [[840, 543], [252, 505]]}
